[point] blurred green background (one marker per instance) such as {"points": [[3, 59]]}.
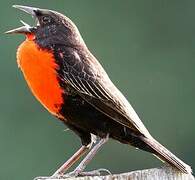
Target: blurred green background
{"points": [[148, 50]]}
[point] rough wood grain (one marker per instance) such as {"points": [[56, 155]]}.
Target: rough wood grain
{"points": [[163, 173]]}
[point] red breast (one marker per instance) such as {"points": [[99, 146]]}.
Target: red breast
{"points": [[39, 69]]}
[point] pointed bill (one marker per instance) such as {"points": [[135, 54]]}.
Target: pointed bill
{"points": [[27, 9], [26, 28], [22, 29]]}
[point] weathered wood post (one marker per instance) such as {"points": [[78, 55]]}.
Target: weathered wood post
{"points": [[162, 173]]}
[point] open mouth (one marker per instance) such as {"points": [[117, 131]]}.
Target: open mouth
{"points": [[26, 28]]}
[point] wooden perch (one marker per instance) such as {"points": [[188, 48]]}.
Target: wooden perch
{"points": [[163, 173]]}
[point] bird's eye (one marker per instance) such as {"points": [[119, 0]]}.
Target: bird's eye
{"points": [[46, 19]]}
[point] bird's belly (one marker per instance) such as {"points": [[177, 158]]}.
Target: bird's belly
{"points": [[82, 115], [39, 69]]}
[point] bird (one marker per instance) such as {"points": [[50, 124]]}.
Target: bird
{"points": [[68, 80]]}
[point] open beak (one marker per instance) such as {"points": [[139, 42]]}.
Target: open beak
{"points": [[21, 30], [27, 9], [25, 28]]}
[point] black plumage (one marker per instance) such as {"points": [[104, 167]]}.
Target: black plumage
{"points": [[92, 103]]}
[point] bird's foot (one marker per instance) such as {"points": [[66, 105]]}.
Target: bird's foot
{"points": [[76, 173], [49, 177], [97, 172]]}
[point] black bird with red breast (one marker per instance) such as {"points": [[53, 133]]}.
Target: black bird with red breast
{"points": [[71, 84]]}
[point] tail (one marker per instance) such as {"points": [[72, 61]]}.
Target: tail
{"points": [[165, 155]]}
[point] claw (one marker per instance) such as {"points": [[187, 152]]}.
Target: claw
{"points": [[97, 172], [49, 177], [71, 174]]}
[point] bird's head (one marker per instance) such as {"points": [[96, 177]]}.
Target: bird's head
{"points": [[51, 28]]}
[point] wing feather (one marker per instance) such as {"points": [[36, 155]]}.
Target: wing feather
{"points": [[88, 79]]}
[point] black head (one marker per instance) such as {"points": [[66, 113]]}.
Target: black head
{"points": [[51, 28]]}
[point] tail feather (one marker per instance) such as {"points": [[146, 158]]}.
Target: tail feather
{"points": [[165, 155]]}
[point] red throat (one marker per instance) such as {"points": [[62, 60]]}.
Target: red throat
{"points": [[39, 69], [30, 36]]}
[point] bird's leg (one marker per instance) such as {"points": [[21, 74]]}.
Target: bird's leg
{"points": [[80, 168], [75, 157], [71, 160], [68, 163]]}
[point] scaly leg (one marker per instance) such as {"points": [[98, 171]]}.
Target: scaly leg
{"points": [[68, 163], [80, 168], [71, 161], [75, 157]]}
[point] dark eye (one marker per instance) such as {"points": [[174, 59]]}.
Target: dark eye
{"points": [[46, 19]]}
